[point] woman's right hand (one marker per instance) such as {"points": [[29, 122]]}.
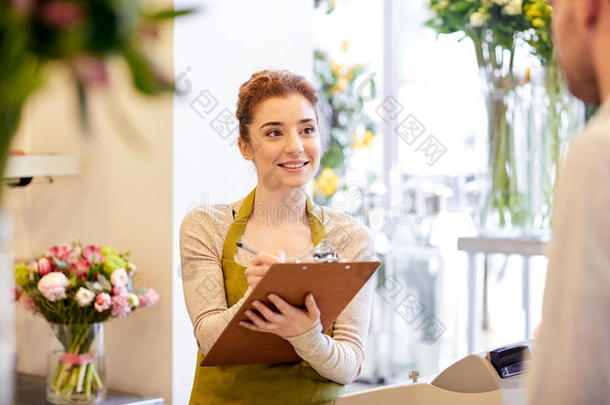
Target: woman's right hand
{"points": [[259, 264]]}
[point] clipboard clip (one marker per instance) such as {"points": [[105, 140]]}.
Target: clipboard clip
{"points": [[324, 252]]}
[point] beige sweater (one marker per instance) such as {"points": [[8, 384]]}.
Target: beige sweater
{"points": [[202, 235]]}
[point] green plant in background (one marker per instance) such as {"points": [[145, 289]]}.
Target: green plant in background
{"points": [[497, 28], [350, 127], [330, 5], [80, 34]]}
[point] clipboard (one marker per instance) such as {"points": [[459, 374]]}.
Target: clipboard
{"points": [[333, 285]]}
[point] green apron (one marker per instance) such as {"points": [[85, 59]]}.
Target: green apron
{"points": [[285, 383]]}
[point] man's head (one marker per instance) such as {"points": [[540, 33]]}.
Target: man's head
{"points": [[581, 33]]}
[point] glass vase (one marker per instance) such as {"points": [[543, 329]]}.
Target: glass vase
{"points": [[554, 116], [76, 371], [505, 206]]}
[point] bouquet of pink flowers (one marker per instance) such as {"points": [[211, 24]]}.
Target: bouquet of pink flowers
{"points": [[74, 288]]}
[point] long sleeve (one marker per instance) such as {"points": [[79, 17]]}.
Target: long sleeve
{"points": [[570, 362], [339, 358], [202, 278]]}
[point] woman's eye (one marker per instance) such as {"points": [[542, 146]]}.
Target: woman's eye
{"points": [[309, 130], [274, 133]]}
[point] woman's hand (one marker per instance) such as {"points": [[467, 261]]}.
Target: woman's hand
{"points": [[259, 264], [290, 321]]}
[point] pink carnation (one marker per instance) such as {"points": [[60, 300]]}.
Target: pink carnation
{"points": [[44, 266], [121, 306], [148, 299], [53, 286], [102, 302], [80, 267], [119, 290], [93, 254], [61, 13], [61, 252], [29, 304]]}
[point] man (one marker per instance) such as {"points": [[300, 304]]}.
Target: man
{"points": [[571, 359]]}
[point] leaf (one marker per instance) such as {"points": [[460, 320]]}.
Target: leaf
{"points": [[144, 76], [81, 91], [333, 158], [168, 14]]}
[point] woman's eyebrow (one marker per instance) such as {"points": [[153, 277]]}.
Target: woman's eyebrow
{"points": [[272, 123]]}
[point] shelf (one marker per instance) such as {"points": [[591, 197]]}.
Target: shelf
{"points": [[41, 165], [31, 390], [527, 246]]}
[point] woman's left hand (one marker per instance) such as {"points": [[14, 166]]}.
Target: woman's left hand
{"points": [[290, 321]]}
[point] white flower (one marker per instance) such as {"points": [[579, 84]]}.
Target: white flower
{"points": [[513, 7], [118, 278], [53, 286], [84, 297], [500, 2], [477, 19]]}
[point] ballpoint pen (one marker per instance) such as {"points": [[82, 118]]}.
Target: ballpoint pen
{"points": [[247, 247]]}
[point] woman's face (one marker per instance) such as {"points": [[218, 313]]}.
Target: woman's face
{"points": [[284, 142]]}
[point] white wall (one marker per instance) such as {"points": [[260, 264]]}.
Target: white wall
{"points": [[121, 198], [222, 47]]}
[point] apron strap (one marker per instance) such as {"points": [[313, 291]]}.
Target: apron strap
{"points": [[237, 228]]}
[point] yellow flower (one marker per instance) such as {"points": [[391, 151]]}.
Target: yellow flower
{"points": [[349, 75], [538, 22], [357, 143], [368, 138], [345, 46], [336, 67], [328, 182], [360, 142], [340, 86]]}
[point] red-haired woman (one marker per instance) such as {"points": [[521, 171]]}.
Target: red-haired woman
{"points": [[278, 131]]}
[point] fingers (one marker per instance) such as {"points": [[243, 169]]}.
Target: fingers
{"points": [[258, 321], [256, 271], [312, 307], [269, 314], [283, 306], [253, 281]]}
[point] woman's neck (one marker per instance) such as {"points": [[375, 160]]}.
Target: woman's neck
{"points": [[275, 207]]}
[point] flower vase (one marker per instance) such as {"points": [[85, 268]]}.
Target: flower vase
{"points": [[76, 371], [554, 117], [505, 206]]}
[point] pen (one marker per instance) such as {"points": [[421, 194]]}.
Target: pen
{"points": [[247, 247]]}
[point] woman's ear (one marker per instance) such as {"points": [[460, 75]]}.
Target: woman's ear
{"points": [[245, 149]]}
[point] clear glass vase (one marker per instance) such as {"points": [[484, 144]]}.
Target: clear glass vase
{"points": [[76, 373], [554, 116], [505, 206]]}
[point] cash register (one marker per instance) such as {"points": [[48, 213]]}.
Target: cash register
{"points": [[495, 377]]}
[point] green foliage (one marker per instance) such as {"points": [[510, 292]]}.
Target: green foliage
{"points": [[336, 83], [83, 35]]}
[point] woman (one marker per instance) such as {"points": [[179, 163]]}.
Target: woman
{"points": [[278, 132]]}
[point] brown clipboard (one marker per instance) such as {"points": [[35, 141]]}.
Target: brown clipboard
{"points": [[334, 285]]}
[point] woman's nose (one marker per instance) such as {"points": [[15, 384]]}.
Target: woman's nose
{"points": [[293, 144]]}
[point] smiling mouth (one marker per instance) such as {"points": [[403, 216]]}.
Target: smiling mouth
{"points": [[293, 166]]}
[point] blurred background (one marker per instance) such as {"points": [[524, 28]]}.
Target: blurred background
{"points": [[444, 124]]}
